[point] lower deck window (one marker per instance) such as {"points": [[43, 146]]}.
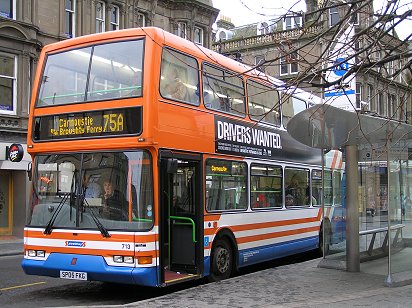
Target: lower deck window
{"points": [[266, 186], [226, 185], [297, 190]]}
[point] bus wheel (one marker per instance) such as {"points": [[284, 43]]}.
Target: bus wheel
{"points": [[222, 261]]}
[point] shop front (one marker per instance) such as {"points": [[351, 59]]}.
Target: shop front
{"points": [[14, 192]]}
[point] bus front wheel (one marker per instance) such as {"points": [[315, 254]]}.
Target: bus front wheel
{"points": [[222, 260]]}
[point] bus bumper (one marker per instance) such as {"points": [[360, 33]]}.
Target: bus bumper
{"points": [[95, 267]]}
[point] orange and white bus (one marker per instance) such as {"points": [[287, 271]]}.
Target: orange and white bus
{"points": [[157, 161]]}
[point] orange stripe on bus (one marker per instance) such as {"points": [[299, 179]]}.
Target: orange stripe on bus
{"points": [[212, 217], [92, 237], [266, 236], [271, 224]]}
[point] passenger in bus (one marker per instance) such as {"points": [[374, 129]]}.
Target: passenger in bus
{"points": [[310, 198], [296, 190], [289, 200], [174, 88], [261, 201], [115, 205]]}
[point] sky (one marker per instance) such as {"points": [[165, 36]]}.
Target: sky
{"points": [[244, 12]]}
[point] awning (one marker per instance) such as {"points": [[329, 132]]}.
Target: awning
{"points": [[327, 127]]}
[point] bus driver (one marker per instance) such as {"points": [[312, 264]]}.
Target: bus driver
{"points": [[114, 206]]}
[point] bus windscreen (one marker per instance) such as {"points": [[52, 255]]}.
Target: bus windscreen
{"points": [[94, 73]]}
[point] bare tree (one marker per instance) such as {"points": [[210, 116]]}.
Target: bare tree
{"points": [[352, 42]]}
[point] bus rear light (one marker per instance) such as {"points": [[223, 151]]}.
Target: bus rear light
{"points": [[144, 260]]}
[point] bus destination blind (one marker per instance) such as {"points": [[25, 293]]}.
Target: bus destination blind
{"points": [[111, 122]]}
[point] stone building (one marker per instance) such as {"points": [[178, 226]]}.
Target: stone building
{"points": [[27, 25]]}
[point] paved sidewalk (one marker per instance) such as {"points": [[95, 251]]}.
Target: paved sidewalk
{"points": [[10, 246], [296, 285]]}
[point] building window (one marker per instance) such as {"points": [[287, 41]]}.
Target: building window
{"points": [[358, 95], [70, 9], [392, 107], [114, 18], [182, 29], [259, 63], [357, 49], [263, 28], [371, 98], [100, 17], [8, 9], [355, 14], [381, 104], [8, 80], [333, 16], [198, 36], [390, 69], [291, 22], [141, 20], [402, 108], [289, 64]]}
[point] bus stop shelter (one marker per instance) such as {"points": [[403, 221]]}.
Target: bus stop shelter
{"points": [[377, 180]]}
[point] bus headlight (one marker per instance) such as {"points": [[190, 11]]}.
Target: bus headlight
{"points": [[118, 259], [128, 259], [123, 259], [36, 253]]}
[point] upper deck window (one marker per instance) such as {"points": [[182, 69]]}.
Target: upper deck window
{"points": [[264, 105], [99, 72], [291, 106], [223, 91], [179, 78]]}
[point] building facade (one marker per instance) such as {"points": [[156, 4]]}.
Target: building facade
{"points": [[27, 25], [297, 47]]}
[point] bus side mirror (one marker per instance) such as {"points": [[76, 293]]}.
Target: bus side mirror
{"points": [[172, 165]]}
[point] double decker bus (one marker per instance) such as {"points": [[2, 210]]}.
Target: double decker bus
{"points": [[157, 161]]}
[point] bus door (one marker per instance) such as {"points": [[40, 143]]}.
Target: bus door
{"points": [[181, 219]]}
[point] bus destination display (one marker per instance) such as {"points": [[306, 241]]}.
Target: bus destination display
{"points": [[113, 122]]}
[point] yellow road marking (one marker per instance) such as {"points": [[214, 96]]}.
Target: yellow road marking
{"points": [[22, 286]]}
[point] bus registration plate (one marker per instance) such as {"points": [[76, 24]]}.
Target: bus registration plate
{"points": [[73, 275]]}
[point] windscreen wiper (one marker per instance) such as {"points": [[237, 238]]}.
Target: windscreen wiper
{"points": [[49, 226], [99, 225]]}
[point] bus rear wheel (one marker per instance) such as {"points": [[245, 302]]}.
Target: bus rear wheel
{"points": [[222, 261]]}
